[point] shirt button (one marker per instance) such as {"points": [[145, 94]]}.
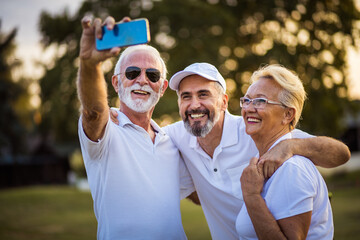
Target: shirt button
{"points": [[215, 169]]}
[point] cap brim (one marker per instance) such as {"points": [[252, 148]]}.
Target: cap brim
{"points": [[177, 77]]}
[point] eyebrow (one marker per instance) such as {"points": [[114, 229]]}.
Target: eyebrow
{"points": [[256, 96], [200, 91]]}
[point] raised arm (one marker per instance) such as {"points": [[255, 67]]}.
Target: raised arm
{"points": [[91, 84], [322, 151]]}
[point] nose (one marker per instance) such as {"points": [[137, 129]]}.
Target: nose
{"points": [[142, 79], [195, 103]]}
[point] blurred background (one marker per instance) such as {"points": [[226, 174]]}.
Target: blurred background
{"points": [[43, 193]]}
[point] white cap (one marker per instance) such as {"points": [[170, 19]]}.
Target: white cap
{"points": [[205, 70]]}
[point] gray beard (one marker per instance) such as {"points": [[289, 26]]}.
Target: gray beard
{"points": [[197, 130], [138, 105]]}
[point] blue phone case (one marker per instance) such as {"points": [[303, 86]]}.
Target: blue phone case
{"points": [[125, 34]]}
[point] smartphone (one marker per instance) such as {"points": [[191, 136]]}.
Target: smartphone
{"points": [[125, 34]]}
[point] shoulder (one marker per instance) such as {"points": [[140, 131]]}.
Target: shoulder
{"points": [[297, 133], [234, 121], [175, 128], [178, 134], [298, 169]]}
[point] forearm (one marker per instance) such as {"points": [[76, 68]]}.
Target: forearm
{"points": [[92, 92], [322, 151], [265, 225]]}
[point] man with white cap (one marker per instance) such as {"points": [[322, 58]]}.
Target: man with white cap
{"points": [[216, 148]]}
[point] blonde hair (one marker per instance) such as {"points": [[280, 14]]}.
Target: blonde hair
{"points": [[293, 94]]}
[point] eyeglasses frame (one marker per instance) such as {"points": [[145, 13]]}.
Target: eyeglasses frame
{"points": [[267, 101]]}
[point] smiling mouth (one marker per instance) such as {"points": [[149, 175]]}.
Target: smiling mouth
{"points": [[253, 120], [197, 115], [140, 92]]}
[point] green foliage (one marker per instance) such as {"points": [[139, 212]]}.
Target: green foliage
{"points": [[308, 37], [11, 129]]}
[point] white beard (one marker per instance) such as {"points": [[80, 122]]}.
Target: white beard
{"points": [[138, 105]]}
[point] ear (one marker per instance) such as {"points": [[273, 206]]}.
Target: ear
{"points": [[225, 101], [164, 87], [289, 115], [115, 82]]}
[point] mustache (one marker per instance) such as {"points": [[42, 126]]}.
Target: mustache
{"points": [[145, 88]]}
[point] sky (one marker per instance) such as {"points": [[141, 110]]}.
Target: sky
{"points": [[24, 15]]}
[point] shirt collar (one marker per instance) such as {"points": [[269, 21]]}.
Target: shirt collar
{"points": [[124, 120], [230, 135], [283, 137]]}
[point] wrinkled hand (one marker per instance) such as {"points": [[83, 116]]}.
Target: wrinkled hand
{"points": [[113, 116], [252, 178], [92, 29], [275, 157]]}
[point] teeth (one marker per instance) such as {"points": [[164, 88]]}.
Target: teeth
{"points": [[197, 115], [253, 120], [140, 92]]}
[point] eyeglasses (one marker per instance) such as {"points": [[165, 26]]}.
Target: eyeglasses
{"points": [[258, 103], [133, 72]]}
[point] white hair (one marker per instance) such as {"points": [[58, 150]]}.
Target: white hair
{"points": [[129, 50]]}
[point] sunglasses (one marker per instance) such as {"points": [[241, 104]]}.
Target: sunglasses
{"points": [[133, 72]]}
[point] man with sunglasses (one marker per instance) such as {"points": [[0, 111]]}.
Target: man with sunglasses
{"points": [[135, 172]]}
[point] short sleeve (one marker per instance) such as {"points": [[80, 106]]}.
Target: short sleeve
{"points": [[291, 190], [93, 150]]}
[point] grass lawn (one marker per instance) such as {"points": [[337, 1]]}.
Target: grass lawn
{"points": [[61, 212]]}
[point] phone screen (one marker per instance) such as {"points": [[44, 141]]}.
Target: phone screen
{"points": [[125, 34]]}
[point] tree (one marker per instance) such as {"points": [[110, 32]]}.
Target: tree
{"points": [[308, 37], [11, 128]]}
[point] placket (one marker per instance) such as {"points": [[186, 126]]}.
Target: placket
{"points": [[147, 138], [212, 164]]}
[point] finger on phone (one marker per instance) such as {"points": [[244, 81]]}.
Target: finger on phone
{"points": [[125, 19], [109, 23], [98, 28]]}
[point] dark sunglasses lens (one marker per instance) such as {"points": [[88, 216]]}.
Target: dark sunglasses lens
{"points": [[132, 72], [153, 74]]}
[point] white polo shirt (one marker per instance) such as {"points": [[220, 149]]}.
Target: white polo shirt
{"points": [[135, 183], [217, 179], [295, 188]]}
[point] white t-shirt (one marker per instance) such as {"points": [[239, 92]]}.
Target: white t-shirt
{"points": [[135, 183], [295, 188], [217, 179]]}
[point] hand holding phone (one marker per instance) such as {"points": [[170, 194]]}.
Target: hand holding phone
{"points": [[125, 34]]}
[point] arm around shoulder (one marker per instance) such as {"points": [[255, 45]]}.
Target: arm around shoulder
{"points": [[323, 151]]}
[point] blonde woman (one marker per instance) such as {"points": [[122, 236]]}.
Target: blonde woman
{"points": [[293, 203]]}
